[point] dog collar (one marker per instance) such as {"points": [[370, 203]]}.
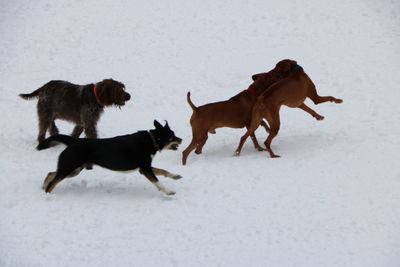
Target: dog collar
{"points": [[97, 97], [297, 67], [252, 91], [156, 146]]}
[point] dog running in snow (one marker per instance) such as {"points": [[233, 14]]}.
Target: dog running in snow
{"points": [[120, 153]]}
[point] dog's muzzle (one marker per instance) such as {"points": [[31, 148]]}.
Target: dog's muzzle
{"points": [[175, 144], [124, 99]]}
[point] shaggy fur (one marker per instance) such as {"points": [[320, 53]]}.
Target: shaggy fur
{"points": [[234, 112], [292, 92], [79, 104], [122, 153]]}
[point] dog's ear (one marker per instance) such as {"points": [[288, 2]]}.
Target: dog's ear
{"points": [[166, 125], [256, 76], [157, 124], [283, 65]]}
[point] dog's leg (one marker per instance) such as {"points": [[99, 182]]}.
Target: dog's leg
{"points": [[50, 176], [90, 130], [311, 112], [69, 165], [313, 95], [201, 144], [53, 178], [148, 172], [76, 132], [44, 120], [53, 129], [255, 142], [187, 151], [274, 122], [255, 123], [52, 183], [165, 173], [254, 139]]}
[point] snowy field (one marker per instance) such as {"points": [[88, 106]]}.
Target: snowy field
{"points": [[332, 199]]}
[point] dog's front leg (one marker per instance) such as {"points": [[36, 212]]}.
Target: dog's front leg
{"points": [[148, 172], [165, 173]]}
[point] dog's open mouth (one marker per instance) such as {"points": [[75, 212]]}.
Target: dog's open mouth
{"points": [[174, 146]]}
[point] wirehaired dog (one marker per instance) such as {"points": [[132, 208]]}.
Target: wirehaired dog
{"points": [[80, 104], [121, 153], [234, 112], [291, 92]]}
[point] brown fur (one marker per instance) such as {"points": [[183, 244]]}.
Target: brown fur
{"points": [[291, 92], [75, 103], [234, 112]]}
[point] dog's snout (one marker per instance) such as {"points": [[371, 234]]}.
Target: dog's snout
{"points": [[179, 140], [127, 97]]}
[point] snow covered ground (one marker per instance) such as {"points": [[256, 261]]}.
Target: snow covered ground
{"points": [[332, 199]]}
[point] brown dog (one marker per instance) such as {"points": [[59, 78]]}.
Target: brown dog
{"points": [[80, 104], [234, 112], [291, 92]]}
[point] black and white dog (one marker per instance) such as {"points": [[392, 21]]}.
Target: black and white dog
{"points": [[120, 153]]}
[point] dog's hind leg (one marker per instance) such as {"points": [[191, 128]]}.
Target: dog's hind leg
{"points": [[165, 173], [255, 123], [274, 122], [53, 178], [70, 164], [44, 120], [255, 142], [53, 182], [148, 172], [311, 112], [201, 144], [187, 151], [76, 132], [50, 176]]}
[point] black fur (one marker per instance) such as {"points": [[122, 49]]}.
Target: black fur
{"points": [[121, 153]]}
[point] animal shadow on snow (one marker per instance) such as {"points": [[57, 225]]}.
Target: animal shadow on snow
{"points": [[295, 145], [101, 188]]}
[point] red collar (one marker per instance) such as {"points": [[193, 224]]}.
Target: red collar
{"points": [[97, 97], [252, 91]]}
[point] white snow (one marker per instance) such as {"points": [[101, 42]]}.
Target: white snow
{"points": [[332, 199]]}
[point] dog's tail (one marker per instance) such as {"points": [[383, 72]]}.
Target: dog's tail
{"points": [[190, 102], [55, 139], [31, 95]]}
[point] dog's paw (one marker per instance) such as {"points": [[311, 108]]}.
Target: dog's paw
{"points": [[176, 176], [338, 101], [170, 193], [319, 117]]}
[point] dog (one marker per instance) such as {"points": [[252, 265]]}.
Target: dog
{"points": [[234, 112], [121, 153], [291, 92], [80, 104]]}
